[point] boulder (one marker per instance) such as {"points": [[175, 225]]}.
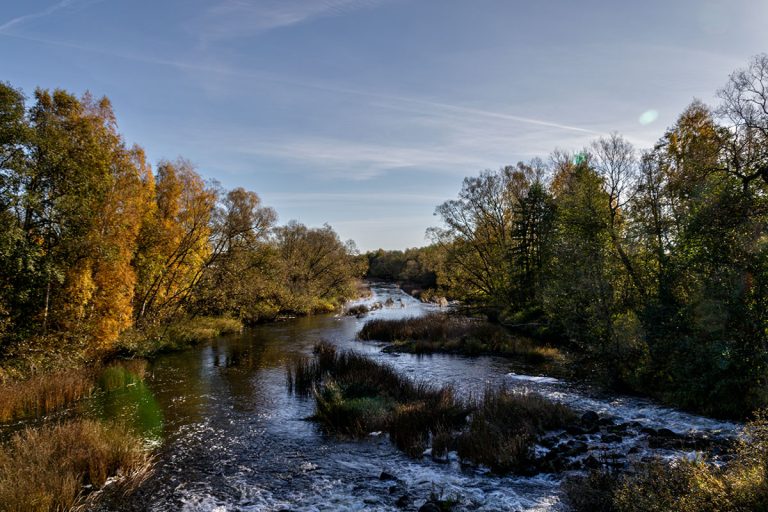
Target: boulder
{"points": [[611, 438], [403, 501], [429, 507], [387, 476], [591, 462], [590, 420]]}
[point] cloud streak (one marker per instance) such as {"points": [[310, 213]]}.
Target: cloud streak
{"points": [[23, 20], [229, 19], [394, 102]]}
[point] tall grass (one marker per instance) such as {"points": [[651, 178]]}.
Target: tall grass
{"points": [[122, 373], [43, 394], [441, 332], [46, 469], [355, 395], [46, 393]]}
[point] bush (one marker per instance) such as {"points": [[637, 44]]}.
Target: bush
{"points": [[179, 335], [681, 485]]}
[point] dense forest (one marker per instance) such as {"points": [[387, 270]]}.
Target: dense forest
{"points": [[94, 243], [653, 264]]}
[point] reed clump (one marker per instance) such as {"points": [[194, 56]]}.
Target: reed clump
{"points": [[355, 395], [48, 469], [122, 373], [504, 426], [441, 332]]}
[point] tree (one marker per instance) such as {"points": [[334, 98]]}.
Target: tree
{"points": [[745, 109], [318, 269], [477, 238], [174, 242]]}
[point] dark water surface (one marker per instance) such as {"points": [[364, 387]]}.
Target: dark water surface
{"points": [[231, 438]]}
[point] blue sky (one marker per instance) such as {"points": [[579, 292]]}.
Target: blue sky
{"points": [[366, 114]]}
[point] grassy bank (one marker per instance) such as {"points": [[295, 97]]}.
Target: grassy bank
{"points": [[681, 485], [34, 383], [150, 340], [440, 332], [355, 395], [46, 469]]}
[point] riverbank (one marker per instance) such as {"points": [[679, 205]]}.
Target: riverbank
{"points": [[55, 464]]}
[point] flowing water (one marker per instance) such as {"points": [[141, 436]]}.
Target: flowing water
{"points": [[231, 438]]}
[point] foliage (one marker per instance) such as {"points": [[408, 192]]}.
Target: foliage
{"points": [[413, 266], [95, 247], [653, 265]]}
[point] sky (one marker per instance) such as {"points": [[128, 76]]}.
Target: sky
{"points": [[367, 114]]}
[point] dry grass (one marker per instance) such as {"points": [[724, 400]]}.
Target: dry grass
{"points": [[43, 394], [440, 332], [46, 469]]}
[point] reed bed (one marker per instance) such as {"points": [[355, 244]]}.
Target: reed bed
{"points": [[48, 469], [355, 395], [43, 394], [441, 332]]}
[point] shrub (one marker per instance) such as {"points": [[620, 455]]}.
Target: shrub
{"points": [[682, 485], [152, 339]]}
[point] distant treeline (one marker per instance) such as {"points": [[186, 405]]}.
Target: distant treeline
{"points": [[413, 266], [93, 241], [654, 264]]}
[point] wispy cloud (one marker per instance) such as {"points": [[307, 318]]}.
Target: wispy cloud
{"points": [[413, 105], [339, 158], [228, 19], [20, 21], [347, 198]]}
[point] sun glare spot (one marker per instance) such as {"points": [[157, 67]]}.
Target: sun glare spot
{"points": [[648, 117]]}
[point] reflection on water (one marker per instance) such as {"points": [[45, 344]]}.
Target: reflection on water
{"points": [[235, 439]]}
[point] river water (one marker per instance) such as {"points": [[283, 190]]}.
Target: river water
{"points": [[231, 438]]}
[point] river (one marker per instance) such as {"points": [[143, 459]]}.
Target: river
{"points": [[230, 437]]}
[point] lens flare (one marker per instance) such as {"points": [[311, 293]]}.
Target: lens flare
{"points": [[648, 117]]}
